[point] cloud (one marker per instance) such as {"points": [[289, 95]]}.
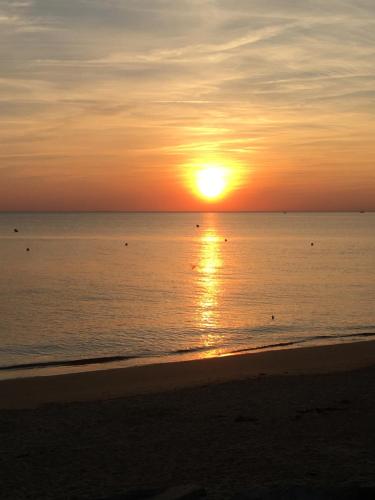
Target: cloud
{"points": [[259, 77]]}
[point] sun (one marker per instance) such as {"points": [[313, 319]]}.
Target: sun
{"points": [[211, 182]]}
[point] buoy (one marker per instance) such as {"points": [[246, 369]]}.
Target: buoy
{"points": [[126, 244], [225, 240], [312, 244], [27, 249], [273, 317], [197, 225], [15, 230]]}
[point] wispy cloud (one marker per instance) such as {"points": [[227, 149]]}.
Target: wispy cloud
{"points": [[271, 83]]}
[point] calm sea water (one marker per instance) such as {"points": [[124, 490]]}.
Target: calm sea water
{"points": [[81, 297]]}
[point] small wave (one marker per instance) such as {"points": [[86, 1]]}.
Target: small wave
{"points": [[191, 349], [267, 346], [341, 336], [269, 329], [70, 362], [362, 334], [302, 341]]}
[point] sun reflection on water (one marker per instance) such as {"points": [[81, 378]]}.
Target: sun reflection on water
{"points": [[210, 291]]}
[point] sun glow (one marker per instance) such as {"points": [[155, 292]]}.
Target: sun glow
{"points": [[212, 182], [214, 179]]}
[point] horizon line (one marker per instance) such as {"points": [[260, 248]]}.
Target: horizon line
{"points": [[186, 211]]}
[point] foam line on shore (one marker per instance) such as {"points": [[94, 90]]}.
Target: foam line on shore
{"points": [[70, 362], [300, 341]]}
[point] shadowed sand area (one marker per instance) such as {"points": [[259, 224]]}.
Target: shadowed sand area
{"points": [[270, 419]]}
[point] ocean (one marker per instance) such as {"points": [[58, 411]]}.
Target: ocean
{"points": [[97, 290]]}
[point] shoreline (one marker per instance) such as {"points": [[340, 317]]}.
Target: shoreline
{"points": [[118, 383], [116, 361]]}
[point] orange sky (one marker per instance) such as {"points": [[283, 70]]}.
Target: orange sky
{"points": [[115, 105]]}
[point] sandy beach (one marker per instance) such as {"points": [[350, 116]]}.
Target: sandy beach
{"points": [[288, 418]]}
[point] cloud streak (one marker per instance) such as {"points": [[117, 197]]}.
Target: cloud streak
{"points": [[151, 85]]}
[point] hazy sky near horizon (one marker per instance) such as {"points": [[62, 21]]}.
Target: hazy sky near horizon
{"points": [[113, 104]]}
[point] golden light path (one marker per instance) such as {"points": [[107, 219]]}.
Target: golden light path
{"points": [[208, 309]]}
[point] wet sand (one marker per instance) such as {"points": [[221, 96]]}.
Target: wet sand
{"points": [[120, 382], [300, 417]]}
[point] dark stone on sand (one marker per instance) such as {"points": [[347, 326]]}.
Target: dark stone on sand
{"points": [[309, 493]]}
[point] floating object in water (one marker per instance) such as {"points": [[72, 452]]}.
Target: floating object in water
{"points": [[312, 243], [193, 266], [225, 240], [126, 244], [273, 316], [27, 249], [196, 225], [15, 230]]}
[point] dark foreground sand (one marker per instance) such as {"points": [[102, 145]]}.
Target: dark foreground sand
{"points": [[228, 430]]}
